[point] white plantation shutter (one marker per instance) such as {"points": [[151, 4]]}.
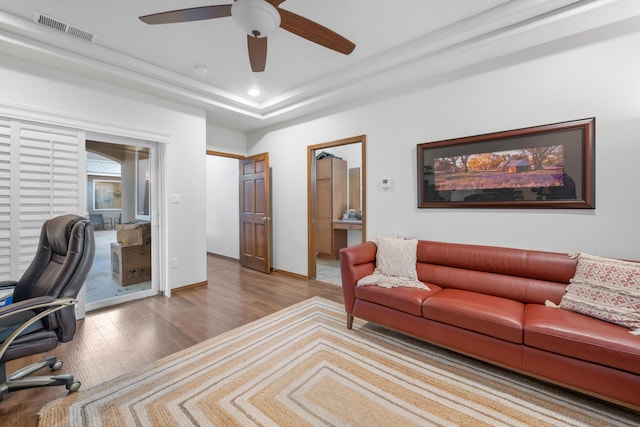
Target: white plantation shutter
{"points": [[43, 181], [5, 198]]}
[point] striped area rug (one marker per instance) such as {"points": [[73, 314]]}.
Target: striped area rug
{"points": [[302, 367]]}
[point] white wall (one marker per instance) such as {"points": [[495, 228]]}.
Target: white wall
{"points": [[351, 153], [223, 191], [106, 107], [226, 140], [223, 207], [573, 79]]}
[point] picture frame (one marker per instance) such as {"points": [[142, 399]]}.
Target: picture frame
{"points": [[550, 166], [107, 195]]}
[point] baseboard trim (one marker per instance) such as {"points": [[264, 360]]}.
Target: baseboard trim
{"points": [[273, 270], [290, 274], [223, 256], [191, 286]]}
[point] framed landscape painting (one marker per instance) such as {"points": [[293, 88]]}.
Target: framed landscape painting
{"points": [[548, 166]]}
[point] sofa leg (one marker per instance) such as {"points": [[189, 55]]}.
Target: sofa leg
{"points": [[349, 321]]}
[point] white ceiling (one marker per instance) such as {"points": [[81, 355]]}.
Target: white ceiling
{"points": [[398, 43]]}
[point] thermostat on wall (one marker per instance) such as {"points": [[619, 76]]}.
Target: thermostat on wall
{"points": [[385, 183]]}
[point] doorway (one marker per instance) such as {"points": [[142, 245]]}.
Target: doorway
{"points": [[255, 213], [120, 181], [242, 229], [336, 174]]}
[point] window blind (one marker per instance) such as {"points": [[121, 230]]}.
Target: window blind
{"points": [[40, 180], [5, 198]]}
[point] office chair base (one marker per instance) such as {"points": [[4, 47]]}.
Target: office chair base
{"points": [[20, 379]]}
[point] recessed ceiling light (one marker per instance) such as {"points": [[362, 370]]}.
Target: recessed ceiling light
{"points": [[254, 92], [200, 70]]}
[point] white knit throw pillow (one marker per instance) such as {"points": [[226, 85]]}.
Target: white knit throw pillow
{"points": [[397, 257], [395, 264]]}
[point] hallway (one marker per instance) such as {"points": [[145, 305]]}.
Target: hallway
{"points": [[328, 271]]}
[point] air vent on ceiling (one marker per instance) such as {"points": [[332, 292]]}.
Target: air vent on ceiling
{"points": [[63, 27]]}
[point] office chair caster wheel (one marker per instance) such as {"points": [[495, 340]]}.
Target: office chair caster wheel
{"points": [[52, 362], [74, 386]]}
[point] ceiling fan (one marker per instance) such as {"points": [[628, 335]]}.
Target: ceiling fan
{"points": [[258, 18]]}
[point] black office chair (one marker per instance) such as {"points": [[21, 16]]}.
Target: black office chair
{"points": [[42, 313]]}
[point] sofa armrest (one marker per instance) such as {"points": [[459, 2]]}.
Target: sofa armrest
{"points": [[355, 263]]}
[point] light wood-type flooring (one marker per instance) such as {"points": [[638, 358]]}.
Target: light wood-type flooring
{"points": [[113, 341]]}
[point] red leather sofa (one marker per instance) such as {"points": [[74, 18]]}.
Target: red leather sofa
{"points": [[489, 303]]}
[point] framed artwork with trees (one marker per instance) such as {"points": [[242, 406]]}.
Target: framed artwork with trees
{"points": [[547, 166]]}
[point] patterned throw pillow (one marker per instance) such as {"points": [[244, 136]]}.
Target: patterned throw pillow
{"points": [[607, 289]]}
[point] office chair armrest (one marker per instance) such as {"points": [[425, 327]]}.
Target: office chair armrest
{"points": [[25, 305], [50, 303], [7, 284]]}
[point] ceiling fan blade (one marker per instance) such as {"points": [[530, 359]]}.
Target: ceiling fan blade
{"points": [[188, 15], [314, 32], [275, 3], [257, 53]]}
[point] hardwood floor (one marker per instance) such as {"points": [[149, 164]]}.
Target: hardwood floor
{"points": [[113, 341]]}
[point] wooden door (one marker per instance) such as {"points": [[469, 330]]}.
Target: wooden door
{"points": [[255, 213]]}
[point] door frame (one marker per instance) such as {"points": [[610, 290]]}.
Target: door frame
{"points": [[311, 194], [231, 186], [158, 276]]}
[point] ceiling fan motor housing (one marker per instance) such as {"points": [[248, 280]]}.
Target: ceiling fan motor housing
{"points": [[256, 17]]}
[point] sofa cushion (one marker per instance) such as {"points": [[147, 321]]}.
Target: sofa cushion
{"points": [[487, 314], [408, 300], [607, 289], [582, 337]]}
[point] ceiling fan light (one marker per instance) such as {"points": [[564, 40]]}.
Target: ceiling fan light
{"points": [[256, 17]]}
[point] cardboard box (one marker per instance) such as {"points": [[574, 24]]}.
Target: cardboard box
{"points": [[130, 263], [138, 233]]}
